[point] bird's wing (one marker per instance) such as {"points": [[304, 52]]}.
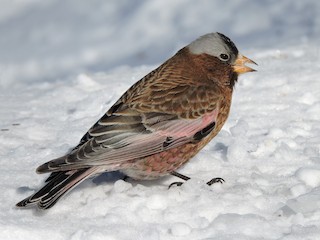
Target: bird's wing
{"points": [[131, 135], [161, 115]]}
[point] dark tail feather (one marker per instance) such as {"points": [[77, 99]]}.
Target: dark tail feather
{"points": [[57, 184]]}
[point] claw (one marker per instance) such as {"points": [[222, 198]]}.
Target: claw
{"points": [[212, 181], [216, 180], [179, 176], [178, 184]]}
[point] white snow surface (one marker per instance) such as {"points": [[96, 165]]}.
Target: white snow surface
{"points": [[64, 63]]}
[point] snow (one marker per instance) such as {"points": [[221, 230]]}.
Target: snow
{"points": [[63, 65], [309, 176]]}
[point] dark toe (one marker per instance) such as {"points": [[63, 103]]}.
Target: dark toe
{"points": [[175, 183], [215, 180]]}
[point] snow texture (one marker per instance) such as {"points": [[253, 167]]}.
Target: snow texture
{"points": [[63, 64]]}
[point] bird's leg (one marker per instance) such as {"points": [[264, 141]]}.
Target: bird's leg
{"points": [[212, 181], [173, 173]]}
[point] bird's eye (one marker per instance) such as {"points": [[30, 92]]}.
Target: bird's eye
{"points": [[224, 57]]}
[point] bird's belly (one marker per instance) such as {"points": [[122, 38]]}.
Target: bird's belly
{"points": [[161, 164]]}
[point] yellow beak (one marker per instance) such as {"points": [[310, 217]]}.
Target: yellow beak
{"points": [[240, 67]]}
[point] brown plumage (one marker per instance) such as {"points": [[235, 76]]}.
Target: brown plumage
{"points": [[158, 124]]}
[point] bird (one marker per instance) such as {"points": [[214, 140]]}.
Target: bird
{"points": [[158, 124]]}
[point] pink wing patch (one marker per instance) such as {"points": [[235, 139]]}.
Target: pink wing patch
{"points": [[161, 133], [186, 128], [178, 131]]}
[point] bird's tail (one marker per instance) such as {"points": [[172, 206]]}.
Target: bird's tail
{"points": [[57, 184]]}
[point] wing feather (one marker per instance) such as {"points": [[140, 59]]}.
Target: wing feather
{"points": [[109, 147], [161, 111]]}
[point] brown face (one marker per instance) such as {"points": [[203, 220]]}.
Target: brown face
{"points": [[221, 47]]}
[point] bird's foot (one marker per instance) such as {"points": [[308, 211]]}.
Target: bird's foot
{"points": [[216, 180], [175, 183], [212, 181], [183, 177]]}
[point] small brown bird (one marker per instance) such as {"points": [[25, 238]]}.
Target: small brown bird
{"points": [[158, 124]]}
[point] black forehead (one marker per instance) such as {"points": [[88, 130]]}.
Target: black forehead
{"points": [[230, 44]]}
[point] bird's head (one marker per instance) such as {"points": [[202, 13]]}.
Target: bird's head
{"points": [[222, 48]]}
